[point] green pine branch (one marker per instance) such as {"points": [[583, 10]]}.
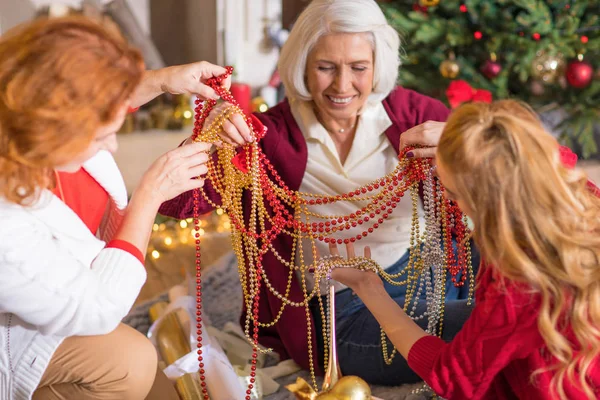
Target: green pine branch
{"points": [[509, 28]]}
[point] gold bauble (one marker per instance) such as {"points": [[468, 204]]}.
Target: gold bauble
{"points": [[259, 105], [429, 3], [348, 388], [449, 69], [546, 67]]}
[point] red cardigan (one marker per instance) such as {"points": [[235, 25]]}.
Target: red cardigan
{"points": [[285, 147], [496, 351]]}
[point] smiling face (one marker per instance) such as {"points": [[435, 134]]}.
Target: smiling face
{"points": [[339, 74]]}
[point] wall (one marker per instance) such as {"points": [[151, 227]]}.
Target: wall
{"points": [[139, 8], [221, 31], [244, 24]]}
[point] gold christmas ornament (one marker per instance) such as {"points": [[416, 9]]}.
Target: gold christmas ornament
{"points": [[347, 388], [429, 3], [449, 68], [547, 67], [259, 104]]}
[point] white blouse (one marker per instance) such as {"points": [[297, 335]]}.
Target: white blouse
{"points": [[372, 156]]}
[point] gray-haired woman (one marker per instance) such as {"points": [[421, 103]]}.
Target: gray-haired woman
{"points": [[339, 129]]}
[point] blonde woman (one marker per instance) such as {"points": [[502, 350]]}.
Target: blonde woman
{"points": [[535, 330]]}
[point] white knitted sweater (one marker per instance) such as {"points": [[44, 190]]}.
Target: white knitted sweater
{"points": [[57, 279]]}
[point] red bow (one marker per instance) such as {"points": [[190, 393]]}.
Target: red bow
{"points": [[569, 160], [239, 160], [460, 92]]}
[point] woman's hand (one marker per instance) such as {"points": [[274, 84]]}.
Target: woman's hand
{"points": [[426, 135], [191, 79], [355, 279], [179, 79], [175, 172], [234, 130]]}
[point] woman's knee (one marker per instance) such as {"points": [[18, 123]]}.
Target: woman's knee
{"points": [[138, 365]]}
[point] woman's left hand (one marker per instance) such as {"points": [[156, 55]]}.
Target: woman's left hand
{"points": [[355, 279], [427, 135]]}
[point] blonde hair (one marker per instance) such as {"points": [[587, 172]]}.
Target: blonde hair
{"points": [[322, 17], [535, 221]]}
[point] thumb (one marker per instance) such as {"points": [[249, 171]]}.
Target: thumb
{"points": [[204, 91], [210, 70]]}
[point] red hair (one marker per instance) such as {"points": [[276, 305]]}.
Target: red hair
{"points": [[60, 80]]}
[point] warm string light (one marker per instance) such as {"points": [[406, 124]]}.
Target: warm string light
{"points": [[277, 210]]}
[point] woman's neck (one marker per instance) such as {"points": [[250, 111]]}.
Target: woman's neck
{"points": [[342, 133], [335, 126]]}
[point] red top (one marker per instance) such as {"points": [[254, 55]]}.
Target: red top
{"points": [[88, 199], [89, 207], [496, 351], [285, 147]]}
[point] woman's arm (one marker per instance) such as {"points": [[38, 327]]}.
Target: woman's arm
{"points": [[501, 328]]}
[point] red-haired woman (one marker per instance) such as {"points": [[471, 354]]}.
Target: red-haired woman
{"points": [[71, 249]]}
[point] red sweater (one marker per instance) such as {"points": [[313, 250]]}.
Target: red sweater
{"points": [[285, 147], [496, 351]]}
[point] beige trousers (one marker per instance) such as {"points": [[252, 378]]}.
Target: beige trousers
{"points": [[118, 365]]}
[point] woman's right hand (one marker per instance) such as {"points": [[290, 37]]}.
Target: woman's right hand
{"points": [[234, 131], [176, 172]]}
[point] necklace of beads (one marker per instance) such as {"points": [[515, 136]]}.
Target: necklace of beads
{"points": [[253, 235]]}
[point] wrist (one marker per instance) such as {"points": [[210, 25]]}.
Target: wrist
{"points": [[147, 195], [369, 286]]}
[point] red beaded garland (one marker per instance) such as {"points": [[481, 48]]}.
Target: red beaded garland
{"points": [[392, 191]]}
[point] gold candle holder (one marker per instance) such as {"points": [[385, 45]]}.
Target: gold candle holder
{"points": [[333, 372], [172, 345]]}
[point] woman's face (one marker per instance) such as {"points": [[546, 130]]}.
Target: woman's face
{"points": [[339, 74], [105, 139]]}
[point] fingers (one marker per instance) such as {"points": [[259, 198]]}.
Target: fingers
{"points": [[198, 171], [209, 70], [426, 134], [227, 83], [350, 250], [426, 152], [192, 184], [231, 135], [204, 92], [333, 249], [367, 253], [242, 127], [191, 149]]}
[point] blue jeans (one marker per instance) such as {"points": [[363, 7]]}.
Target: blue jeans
{"points": [[358, 333]]}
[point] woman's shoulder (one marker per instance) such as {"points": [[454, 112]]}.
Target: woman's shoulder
{"points": [[409, 104]]}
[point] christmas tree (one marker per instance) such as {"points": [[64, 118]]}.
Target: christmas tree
{"points": [[543, 52]]}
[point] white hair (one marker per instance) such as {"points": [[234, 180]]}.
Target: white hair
{"points": [[322, 17]]}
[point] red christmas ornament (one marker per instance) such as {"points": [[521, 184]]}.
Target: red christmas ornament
{"points": [[491, 69], [579, 73], [477, 35], [584, 39], [463, 8], [536, 36], [419, 8]]}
